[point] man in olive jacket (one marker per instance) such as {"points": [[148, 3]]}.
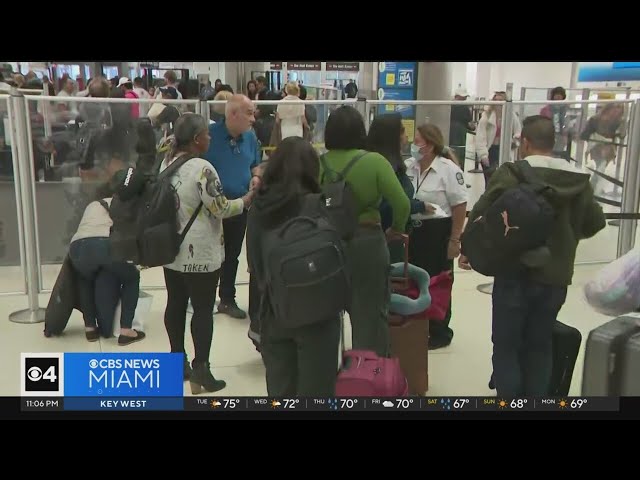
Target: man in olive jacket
{"points": [[526, 303]]}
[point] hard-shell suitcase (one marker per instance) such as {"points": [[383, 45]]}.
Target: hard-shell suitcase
{"points": [[612, 359]]}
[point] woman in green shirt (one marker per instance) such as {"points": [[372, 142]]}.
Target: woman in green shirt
{"points": [[371, 178]]}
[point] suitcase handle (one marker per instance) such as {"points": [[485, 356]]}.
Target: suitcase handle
{"points": [[402, 283], [361, 354]]}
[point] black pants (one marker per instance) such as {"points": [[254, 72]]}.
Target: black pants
{"points": [[201, 289], [302, 361], [234, 229], [103, 283], [428, 249], [524, 312], [494, 163]]}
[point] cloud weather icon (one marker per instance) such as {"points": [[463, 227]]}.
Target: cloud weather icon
{"points": [[387, 404]]}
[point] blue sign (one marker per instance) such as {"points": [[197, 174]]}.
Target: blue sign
{"points": [[608, 72], [123, 375], [397, 75], [396, 81], [407, 111]]}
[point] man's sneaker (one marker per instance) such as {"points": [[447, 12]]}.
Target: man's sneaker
{"points": [[231, 309]]}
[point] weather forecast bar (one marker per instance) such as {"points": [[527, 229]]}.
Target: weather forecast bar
{"points": [[594, 404], [257, 404]]}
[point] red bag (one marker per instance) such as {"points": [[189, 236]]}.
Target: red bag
{"points": [[440, 290]]}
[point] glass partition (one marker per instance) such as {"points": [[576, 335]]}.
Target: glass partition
{"points": [[602, 139], [77, 144], [12, 274]]}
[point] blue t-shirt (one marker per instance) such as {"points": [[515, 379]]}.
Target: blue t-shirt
{"points": [[233, 159]]}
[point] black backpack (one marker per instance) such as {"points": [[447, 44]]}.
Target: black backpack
{"points": [[516, 225], [339, 197], [307, 279], [145, 227]]}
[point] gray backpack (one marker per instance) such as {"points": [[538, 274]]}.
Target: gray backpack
{"points": [[307, 276]]}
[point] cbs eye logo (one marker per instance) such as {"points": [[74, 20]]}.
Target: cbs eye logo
{"points": [[41, 375]]}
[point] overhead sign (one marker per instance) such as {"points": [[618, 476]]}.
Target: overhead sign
{"points": [[304, 65], [149, 64], [275, 65], [343, 66]]}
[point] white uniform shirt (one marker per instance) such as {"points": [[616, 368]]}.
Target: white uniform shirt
{"points": [[442, 185]]}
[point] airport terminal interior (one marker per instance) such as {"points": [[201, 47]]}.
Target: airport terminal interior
{"points": [[45, 202]]}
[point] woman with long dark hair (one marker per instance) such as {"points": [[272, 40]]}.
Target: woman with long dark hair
{"points": [[299, 361], [386, 137]]}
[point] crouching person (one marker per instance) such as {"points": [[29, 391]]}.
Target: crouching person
{"points": [[295, 256], [104, 281]]}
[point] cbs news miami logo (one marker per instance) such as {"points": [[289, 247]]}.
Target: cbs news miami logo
{"points": [[101, 374]]}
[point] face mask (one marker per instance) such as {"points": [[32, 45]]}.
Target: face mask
{"points": [[415, 152]]}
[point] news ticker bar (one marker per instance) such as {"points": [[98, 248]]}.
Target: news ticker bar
{"points": [[254, 404]]}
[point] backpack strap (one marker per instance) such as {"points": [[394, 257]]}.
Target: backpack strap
{"points": [[343, 173], [105, 205], [173, 168], [525, 173], [169, 171], [353, 161], [190, 223]]}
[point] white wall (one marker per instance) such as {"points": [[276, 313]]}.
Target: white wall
{"points": [[525, 74], [214, 69], [481, 79]]}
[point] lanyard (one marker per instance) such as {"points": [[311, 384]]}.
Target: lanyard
{"points": [[418, 185]]}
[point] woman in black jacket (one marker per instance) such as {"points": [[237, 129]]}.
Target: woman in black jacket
{"points": [[299, 361], [386, 137]]}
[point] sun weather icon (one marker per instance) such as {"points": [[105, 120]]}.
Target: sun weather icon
{"points": [[502, 404], [446, 403], [563, 403], [333, 404]]}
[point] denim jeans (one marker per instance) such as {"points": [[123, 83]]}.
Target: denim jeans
{"points": [[524, 312], [103, 283]]}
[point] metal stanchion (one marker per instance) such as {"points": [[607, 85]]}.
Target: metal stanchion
{"points": [[33, 314], [583, 123], [631, 190]]}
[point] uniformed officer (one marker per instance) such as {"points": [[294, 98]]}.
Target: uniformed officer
{"points": [[435, 238]]}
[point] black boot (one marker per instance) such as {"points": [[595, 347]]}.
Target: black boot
{"points": [[187, 368], [202, 379]]}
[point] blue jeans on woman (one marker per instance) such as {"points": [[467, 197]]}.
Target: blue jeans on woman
{"points": [[102, 283]]}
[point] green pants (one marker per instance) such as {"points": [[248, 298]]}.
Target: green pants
{"points": [[368, 258], [301, 361]]}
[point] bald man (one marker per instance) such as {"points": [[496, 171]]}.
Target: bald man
{"points": [[235, 153]]}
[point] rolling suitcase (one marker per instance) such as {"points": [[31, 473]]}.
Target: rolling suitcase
{"points": [[566, 345], [566, 342], [410, 336], [612, 359]]}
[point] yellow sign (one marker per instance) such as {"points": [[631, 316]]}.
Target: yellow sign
{"points": [[391, 79], [409, 125], [606, 96]]}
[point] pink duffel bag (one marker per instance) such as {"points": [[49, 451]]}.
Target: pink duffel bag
{"points": [[365, 374]]}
